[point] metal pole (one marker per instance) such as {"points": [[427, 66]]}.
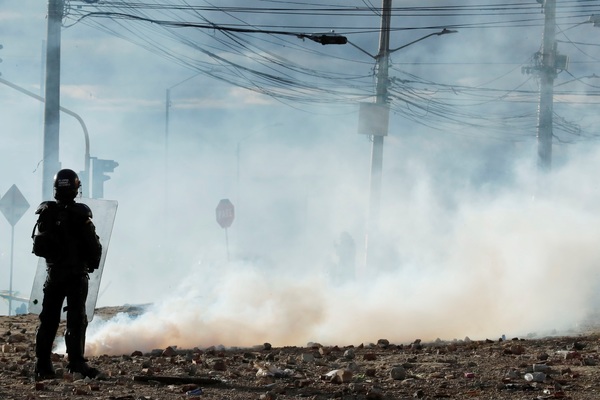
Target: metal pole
{"points": [[377, 147], [12, 251], [548, 73], [166, 199], [227, 243], [167, 123], [51, 162], [237, 175], [42, 79], [168, 106]]}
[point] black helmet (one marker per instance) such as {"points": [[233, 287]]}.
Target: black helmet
{"points": [[66, 185]]}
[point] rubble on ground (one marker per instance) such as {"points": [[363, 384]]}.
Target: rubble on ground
{"points": [[561, 367]]}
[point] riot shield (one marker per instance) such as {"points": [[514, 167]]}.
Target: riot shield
{"points": [[104, 212]]}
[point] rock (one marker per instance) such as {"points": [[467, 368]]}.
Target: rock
{"points": [[156, 352], [268, 396], [218, 365], [543, 356], [370, 357], [569, 355], [79, 391], [338, 376], [169, 352], [512, 375], [349, 354], [374, 393], [517, 349], [6, 348], [16, 338], [589, 361], [540, 368], [577, 346], [307, 358], [398, 373]]}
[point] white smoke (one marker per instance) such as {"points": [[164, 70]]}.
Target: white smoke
{"points": [[502, 262]]}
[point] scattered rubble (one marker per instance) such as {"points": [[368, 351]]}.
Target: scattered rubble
{"points": [[531, 368]]}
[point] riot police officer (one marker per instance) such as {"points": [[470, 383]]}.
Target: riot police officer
{"points": [[72, 250]]}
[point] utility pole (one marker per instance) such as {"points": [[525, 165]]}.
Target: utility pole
{"points": [[51, 163], [377, 146], [547, 75]]}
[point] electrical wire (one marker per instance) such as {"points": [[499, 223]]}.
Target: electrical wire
{"points": [[265, 55]]}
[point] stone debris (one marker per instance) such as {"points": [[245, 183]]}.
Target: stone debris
{"points": [[398, 373], [268, 369], [532, 368], [338, 376]]}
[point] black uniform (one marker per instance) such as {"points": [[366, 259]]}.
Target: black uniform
{"points": [[72, 250]]}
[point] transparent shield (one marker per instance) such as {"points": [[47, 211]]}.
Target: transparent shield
{"points": [[104, 212]]}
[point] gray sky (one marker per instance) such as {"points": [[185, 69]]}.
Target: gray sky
{"points": [[465, 239]]}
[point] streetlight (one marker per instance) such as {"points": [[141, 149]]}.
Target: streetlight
{"points": [[167, 120], [167, 114], [86, 169]]}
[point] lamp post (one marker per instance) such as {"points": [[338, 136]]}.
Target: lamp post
{"points": [[86, 170], [167, 115], [167, 121]]}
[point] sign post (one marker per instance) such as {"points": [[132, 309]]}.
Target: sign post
{"points": [[225, 215], [13, 205]]}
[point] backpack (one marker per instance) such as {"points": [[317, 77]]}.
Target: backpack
{"points": [[46, 242], [59, 237]]}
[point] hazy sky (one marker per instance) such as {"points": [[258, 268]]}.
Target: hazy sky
{"points": [[467, 245]]}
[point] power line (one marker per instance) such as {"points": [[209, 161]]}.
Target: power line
{"points": [[225, 46]]}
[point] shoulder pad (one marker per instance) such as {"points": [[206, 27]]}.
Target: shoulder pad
{"points": [[83, 210], [44, 206]]}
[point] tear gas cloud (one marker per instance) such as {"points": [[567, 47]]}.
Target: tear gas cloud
{"points": [[507, 262], [471, 240]]}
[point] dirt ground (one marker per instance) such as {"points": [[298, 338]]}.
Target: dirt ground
{"points": [[562, 367]]}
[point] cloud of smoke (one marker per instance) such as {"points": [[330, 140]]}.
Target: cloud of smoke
{"points": [[499, 262]]}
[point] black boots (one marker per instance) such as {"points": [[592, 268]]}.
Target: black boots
{"points": [[83, 368], [44, 370], [43, 365]]}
